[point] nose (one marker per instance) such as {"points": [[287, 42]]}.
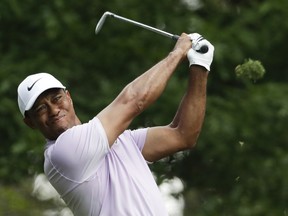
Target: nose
{"points": [[53, 109]]}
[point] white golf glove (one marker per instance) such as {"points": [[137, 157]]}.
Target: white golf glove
{"points": [[195, 56]]}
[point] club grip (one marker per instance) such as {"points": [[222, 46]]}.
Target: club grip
{"points": [[203, 49], [175, 37]]}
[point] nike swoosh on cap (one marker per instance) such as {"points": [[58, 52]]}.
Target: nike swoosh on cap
{"points": [[29, 88]]}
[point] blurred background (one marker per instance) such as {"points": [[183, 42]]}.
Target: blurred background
{"points": [[239, 166]]}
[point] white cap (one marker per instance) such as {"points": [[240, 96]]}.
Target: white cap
{"points": [[34, 85]]}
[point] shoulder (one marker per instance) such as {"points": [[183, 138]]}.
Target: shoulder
{"points": [[79, 150]]}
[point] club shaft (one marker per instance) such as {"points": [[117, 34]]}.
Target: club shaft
{"points": [[166, 34], [99, 25]]}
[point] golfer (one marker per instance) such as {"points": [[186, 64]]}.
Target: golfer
{"points": [[100, 167]]}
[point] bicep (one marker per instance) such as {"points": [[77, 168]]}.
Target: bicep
{"points": [[117, 116], [162, 142]]}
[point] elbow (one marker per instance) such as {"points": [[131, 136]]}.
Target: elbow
{"points": [[191, 144], [191, 140]]}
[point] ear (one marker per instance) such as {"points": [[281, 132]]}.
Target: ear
{"points": [[69, 96], [29, 122]]}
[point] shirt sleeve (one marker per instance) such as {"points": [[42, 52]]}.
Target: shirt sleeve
{"points": [[139, 137], [79, 151]]}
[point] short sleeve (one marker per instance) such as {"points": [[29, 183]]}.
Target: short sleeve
{"points": [[79, 151], [139, 137]]}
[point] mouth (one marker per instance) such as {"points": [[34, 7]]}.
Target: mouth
{"points": [[57, 119]]}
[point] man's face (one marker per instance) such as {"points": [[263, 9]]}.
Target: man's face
{"points": [[52, 113]]}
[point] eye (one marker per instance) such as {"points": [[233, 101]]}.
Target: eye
{"points": [[40, 109], [57, 98]]}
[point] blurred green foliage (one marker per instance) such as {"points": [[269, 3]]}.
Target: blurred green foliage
{"points": [[16, 200], [250, 69], [239, 165]]}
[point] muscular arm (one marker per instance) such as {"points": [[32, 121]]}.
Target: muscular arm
{"points": [[183, 132], [141, 92]]}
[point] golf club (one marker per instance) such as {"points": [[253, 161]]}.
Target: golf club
{"points": [[100, 23]]}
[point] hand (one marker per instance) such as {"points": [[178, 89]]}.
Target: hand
{"points": [[183, 44], [197, 58]]}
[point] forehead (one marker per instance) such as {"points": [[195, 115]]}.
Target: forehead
{"points": [[48, 93]]}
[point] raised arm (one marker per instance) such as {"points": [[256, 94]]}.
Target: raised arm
{"points": [[185, 128], [142, 92]]}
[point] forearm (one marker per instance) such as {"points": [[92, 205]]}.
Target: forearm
{"points": [[191, 112], [149, 86]]}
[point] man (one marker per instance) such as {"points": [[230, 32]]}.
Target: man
{"points": [[99, 167]]}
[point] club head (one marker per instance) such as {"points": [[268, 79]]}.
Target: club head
{"points": [[101, 21]]}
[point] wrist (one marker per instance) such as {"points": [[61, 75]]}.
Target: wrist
{"points": [[178, 53], [198, 69]]}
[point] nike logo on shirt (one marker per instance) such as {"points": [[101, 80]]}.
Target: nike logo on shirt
{"points": [[29, 88]]}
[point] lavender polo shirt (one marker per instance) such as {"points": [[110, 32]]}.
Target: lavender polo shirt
{"points": [[94, 179]]}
